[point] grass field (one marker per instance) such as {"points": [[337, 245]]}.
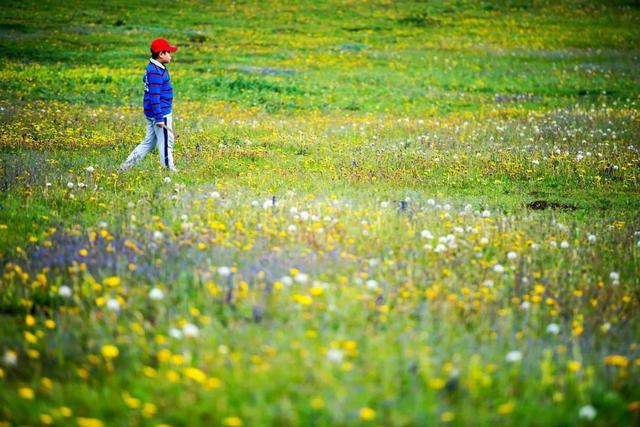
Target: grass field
{"points": [[386, 214]]}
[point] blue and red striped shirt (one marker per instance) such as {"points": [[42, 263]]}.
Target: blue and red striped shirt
{"points": [[158, 91]]}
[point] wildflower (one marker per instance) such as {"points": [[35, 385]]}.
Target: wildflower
{"points": [[447, 417], [302, 278], [335, 355], [64, 291], [214, 195], [267, 204], [564, 244], [553, 329], [513, 356], [498, 268], [113, 305], [10, 358], [591, 238], [175, 333], [109, 351], [486, 213], [224, 271], [366, 414], [292, 228], [90, 169], [112, 282], [372, 284], [167, 180], [384, 204], [195, 374], [587, 412], [70, 185], [89, 422], [614, 276], [158, 236], [512, 255], [26, 393], [488, 283], [190, 330], [156, 294], [616, 360], [506, 408], [232, 422], [426, 234]]}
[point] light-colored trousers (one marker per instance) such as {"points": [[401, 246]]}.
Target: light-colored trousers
{"points": [[155, 136]]}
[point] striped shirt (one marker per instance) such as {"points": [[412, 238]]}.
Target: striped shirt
{"points": [[158, 91]]}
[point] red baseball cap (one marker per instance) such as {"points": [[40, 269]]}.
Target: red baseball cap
{"points": [[160, 45]]}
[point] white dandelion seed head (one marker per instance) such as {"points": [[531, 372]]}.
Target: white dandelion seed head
{"points": [[302, 278], [166, 180], [486, 213], [214, 195], [64, 291], [90, 169], [512, 255], [335, 355], [564, 244], [513, 356], [587, 412], [70, 184], [113, 305], [190, 330], [488, 283], [175, 333], [426, 234], [372, 284], [158, 236], [10, 358], [156, 294], [498, 268], [553, 329], [224, 271], [286, 280]]}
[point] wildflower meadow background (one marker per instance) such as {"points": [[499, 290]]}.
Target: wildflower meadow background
{"points": [[387, 213]]}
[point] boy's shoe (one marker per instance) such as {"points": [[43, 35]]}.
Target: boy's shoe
{"points": [[173, 169]]}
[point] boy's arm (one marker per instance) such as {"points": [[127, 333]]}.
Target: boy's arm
{"points": [[155, 86]]}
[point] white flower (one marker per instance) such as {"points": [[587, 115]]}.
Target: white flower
{"points": [[158, 236], [293, 210], [156, 294], [175, 333], [591, 238], [372, 284], [167, 179], [69, 184], [302, 278], [214, 195], [373, 262], [486, 213], [512, 255], [267, 204], [335, 355], [440, 248], [90, 169], [384, 204], [224, 271], [10, 358], [113, 305], [614, 276], [484, 241], [513, 356], [468, 207], [255, 203], [304, 216], [190, 330], [564, 244], [103, 224], [286, 280], [64, 291], [587, 412], [292, 228], [553, 329], [81, 185], [426, 234], [488, 283], [431, 202], [526, 305], [49, 184], [498, 268]]}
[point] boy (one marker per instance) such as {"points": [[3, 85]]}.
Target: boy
{"points": [[157, 102]]}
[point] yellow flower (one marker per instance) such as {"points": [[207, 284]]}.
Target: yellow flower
{"points": [[89, 422], [30, 320], [367, 414], [46, 419], [447, 417], [317, 403], [616, 360], [26, 393], [574, 366], [65, 411], [110, 351], [506, 408], [436, 383], [302, 299], [112, 281], [232, 422], [195, 374]]}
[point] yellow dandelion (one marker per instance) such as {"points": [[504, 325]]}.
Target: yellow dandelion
{"points": [[89, 422], [447, 417], [506, 408], [436, 383], [195, 374], [616, 360], [367, 414], [109, 351], [26, 393], [112, 281], [232, 422]]}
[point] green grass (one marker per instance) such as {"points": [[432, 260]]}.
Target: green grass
{"points": [[402, 143]]}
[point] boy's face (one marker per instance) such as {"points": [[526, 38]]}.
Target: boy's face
{"points": [[164, 57]]}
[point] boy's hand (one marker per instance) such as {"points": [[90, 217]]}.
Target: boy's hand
{"points": [[160, 125]]}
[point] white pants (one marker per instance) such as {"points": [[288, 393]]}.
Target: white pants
{"points": [[156, 135]]}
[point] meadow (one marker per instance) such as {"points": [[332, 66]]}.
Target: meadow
{"points": [[386, 214]]}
